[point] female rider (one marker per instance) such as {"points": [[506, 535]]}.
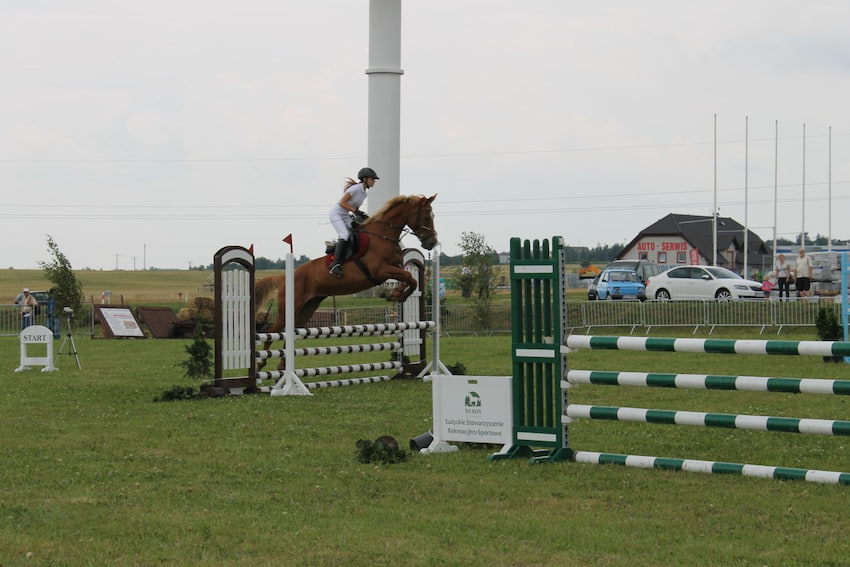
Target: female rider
{"points": [[352, 199]]}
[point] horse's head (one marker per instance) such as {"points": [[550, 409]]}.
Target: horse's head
{"points": [[422, 222]]}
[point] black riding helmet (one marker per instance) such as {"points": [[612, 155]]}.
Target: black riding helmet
{"points": [[367, 172]]}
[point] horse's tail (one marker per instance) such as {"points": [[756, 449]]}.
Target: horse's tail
{"points": [[264, 287]]}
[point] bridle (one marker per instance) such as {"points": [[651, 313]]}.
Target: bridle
{"points": [[404, 229]]}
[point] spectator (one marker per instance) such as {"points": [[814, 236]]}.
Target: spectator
{"points": [[803, 274], [783, 276], [766, 286], [28, 305]]}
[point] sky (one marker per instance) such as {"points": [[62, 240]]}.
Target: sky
{"points": [[150, 134]]}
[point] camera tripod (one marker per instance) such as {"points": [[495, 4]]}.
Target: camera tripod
{"points": [[69, 339]]}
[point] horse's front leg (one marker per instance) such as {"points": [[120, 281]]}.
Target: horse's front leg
{"points": [[406, 286], [278, 325]]}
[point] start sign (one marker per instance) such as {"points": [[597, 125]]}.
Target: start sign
{"points": [[36, 334]]}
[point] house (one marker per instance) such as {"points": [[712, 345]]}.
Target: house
{"points": [[687, 239]]}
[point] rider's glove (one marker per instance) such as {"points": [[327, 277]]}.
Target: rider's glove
{"points": [[360, 216]]}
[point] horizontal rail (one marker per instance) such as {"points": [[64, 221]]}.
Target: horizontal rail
{"points": [[709, 382], [331, 350], [347, 382], [722, 346], [349, 331], [730, 421], [712, 467], [326, 370]]}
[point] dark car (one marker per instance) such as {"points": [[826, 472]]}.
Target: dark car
{"points": [[644, 269]]}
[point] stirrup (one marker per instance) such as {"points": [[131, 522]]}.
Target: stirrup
{"points": [[336, 270]]}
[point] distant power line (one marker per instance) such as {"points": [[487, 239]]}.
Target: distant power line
{"points": [[407, 156], [259, 215]]}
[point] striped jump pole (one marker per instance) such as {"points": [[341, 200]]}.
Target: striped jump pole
{"points": [[542, 412], [711, 467], [709, 382], [704, 346]]}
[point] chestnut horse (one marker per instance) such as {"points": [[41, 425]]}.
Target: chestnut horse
{"points": [[313, 282]]}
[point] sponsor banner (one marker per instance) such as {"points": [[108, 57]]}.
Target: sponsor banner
{"points": [[475, 409]]}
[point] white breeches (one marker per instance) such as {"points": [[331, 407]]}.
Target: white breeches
{"points": [[342, 225]]}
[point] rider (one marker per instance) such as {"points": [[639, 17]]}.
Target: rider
{"points": [[355, 194]]}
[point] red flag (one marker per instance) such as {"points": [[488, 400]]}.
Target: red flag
{"points": [[288, 240], [251, 249]]}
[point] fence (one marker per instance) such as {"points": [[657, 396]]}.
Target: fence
{"points": [[466, 319], [697, 314], [81, 324]]}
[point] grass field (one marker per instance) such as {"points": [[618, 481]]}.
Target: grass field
{"points": [[95, 473]]}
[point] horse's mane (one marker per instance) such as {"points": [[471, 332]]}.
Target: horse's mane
{"points": [[391, 204]]}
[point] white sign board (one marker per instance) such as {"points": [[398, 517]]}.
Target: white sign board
{"points": [[474, 409], [36, 334], [121, 322]]}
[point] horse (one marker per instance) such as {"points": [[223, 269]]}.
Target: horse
{"points": [[381, 261]]}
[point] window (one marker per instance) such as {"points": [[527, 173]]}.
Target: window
{"points": [[662, 257], [681, 257], [644, 256], [679, 273]]}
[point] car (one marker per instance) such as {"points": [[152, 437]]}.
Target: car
{"points": [[644, 269], [616, 284], [702, 282]]}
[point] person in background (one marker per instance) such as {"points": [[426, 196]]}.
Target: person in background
{"points": [[766, 286], [803, 274], [28, 305], [783, 276]]}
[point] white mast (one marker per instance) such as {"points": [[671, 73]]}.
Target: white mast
{"points": [[803, 229], [775, 188], [746, 193], [829, 224], [384, 99], [714, 210]]}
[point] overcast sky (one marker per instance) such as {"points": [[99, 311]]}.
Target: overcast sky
{"points": [[182, 126]]}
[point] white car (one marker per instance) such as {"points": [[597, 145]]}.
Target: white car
{"points": [[701, 282]]}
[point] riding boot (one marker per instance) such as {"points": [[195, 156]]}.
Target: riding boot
{"points": [[336, 269]]}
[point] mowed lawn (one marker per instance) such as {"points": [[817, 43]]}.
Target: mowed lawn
{"points": [[95, 473]]}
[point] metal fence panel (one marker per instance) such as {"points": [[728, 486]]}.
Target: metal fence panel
{"points": [[81, 323], [745, 313], [611, 314], [679, 313]]}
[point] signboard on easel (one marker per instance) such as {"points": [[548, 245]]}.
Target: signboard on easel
{"points": [[118, 321]]}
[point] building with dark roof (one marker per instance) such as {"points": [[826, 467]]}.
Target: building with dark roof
{"points": [[687, 239]]}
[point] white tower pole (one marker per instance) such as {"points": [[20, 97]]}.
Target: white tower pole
{"points": [[384, 99]]}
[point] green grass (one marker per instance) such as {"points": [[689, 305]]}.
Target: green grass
{"points": [[94, 473]]}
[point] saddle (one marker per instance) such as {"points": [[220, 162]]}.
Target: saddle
{"points": [[353, 250]]}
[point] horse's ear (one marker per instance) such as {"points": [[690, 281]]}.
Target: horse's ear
{"points": [[431, 198]]}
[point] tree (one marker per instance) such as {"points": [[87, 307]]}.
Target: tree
{"points": [[67, 289], [480, 258]]}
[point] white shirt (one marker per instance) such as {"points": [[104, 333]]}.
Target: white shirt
{"points": [[782, 269], [358, 195], [804, 266]]}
